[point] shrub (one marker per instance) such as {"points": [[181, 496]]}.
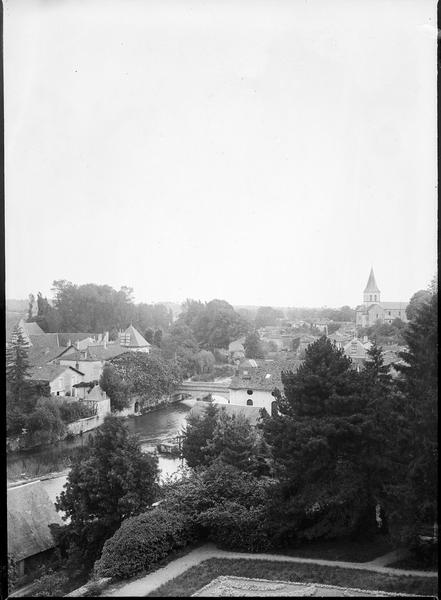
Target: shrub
{"points": [[142, 541], [71, 411], [12, 573], [235, 527], [50, 584]]}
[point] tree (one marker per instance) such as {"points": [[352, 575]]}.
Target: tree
{"points": [[149, 376], [44, 423], [148, 334], [116, 388], [267, 316], [414, 486], [415, 303], [253, 346], [224, 504], [157, 338], [317, 436], [236, 442], [204, 361], [17, 366], [110, 481], [214, 324], [31, 306], [197, 433]]}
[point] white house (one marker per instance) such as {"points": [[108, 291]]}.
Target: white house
{"points": [[257, 385], [61, 378]]}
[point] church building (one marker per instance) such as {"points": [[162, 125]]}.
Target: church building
{"points": [[373, 310]]}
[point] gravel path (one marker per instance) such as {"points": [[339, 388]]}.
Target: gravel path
{"points": [[150, 582]]}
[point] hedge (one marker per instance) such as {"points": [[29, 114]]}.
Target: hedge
{"points": [[141, 542]]}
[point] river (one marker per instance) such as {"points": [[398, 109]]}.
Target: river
{"points": [[152, 428]]}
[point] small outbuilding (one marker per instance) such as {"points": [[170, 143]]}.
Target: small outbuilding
{"points": [[30, 511]]}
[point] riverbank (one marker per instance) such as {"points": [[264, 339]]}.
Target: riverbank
{"points": [[52, 464]]}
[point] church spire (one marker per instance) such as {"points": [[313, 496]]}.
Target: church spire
{"points": [[371, 292]]}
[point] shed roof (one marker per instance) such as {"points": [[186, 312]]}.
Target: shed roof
{"points": [[30, 512], [266, 376]]}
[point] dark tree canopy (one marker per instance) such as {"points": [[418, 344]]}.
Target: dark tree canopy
{"points": [[266, 315], [317, 439], [253, 346], [416, 472], [110, 481], [214, 324]]}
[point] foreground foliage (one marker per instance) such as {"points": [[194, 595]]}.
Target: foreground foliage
{"points": [[141, 542], [108, 482], [224, 505]]}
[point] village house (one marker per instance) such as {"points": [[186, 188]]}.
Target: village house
{"points": [[256, 381], [61, 378], [373, 310], [30, 511]]}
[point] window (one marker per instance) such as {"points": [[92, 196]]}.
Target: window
{"points": [[249, 402], [250, 392], [370, 297], [389, 313]]}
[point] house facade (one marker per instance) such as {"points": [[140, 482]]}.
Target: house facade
{"points": [[61, 378], [255, 383]]}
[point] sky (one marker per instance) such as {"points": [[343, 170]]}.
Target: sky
{"points": [[265, 153]]}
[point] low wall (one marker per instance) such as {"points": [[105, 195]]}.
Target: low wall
{"points": [[86, 424]]}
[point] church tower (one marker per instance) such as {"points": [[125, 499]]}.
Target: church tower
{"points": [[371, 292]]}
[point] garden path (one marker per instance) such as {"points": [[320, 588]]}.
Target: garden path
{"points": [[147, 584]]}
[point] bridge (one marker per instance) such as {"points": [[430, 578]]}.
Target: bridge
{"points": [[200, 389]]}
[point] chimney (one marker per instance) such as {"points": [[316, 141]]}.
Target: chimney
{"points": [[106, 336], [77, 344]]}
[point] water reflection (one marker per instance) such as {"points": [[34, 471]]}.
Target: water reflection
{"points": [[151, 428]]}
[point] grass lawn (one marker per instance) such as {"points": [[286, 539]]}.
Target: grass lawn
{"points": [[414, 564], [342, 549], [195, 578]]}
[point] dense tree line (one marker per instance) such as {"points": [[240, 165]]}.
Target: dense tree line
{"points": [[213, 324], [97, 308]]}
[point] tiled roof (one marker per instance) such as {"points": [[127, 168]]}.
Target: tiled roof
{"points": [[266, 376], [133, 339], [46, 340], [30, 512], [75, 337], [102, 353], [40, 355], [394, 305], [49, 372]]}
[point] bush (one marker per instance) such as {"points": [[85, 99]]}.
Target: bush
{"points": [[141, 542], [234, 526], [12, 573], [71, 411], [50, 584]]}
